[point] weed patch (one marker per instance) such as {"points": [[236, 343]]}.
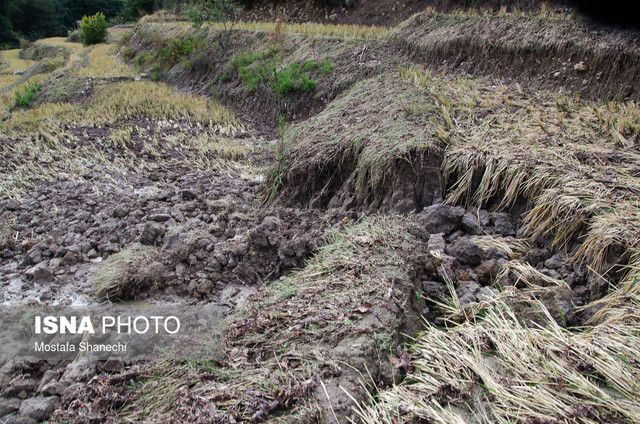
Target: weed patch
{"points": [[24, 97], [267, 68]]}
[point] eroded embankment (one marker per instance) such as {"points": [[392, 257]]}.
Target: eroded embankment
{"points": [[536, 52]]}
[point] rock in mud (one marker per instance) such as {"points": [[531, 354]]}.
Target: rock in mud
{"points": [[487, 271], [48, 377], [503, 224], [151, 234], [441, 218], [466, 252], [434, 290], [486, 293], [466, 292], [7, 406], [40, 274], [39, 408], [557, 261], [120, 211], [436, 242]]}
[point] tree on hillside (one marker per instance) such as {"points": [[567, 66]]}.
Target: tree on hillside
{"points": [[134, 9], [93, 29], [226, 12], [7, 36], [35, 19]]}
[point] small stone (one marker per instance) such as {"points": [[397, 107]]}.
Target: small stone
{"points": [[580, 67], [205, 287], [48, 377], [55, 263], [551, 273], [436, 242], [120, 211], [35, 254], [151, 234], [484, 217], [79, 370], [467, 292], [557, 261], [188, 194], [173, 240], [22, 385], [69, 258], [51, 389], [72, 389], [433, 290], [486, 293], [113, 365], [535, 256], [160, 217], [503, 224], [487, 271], [12, 205], [108, 248], [470, 223], [270, 223], [453, 237]]}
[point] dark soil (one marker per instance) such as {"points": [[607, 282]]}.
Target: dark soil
{"points": [[380, 13]]}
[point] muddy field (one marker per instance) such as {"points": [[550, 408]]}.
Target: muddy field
{"points": [[433, 230]]}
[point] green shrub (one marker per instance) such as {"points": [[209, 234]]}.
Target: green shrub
{"points": [[133, 9], [128, 52], [24, 98], [74, 37], [265, 67], [93, 29], [169, 52]]}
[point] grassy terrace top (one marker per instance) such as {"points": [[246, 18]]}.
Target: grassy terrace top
{"points": [[90, 87], [320, 30]]}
